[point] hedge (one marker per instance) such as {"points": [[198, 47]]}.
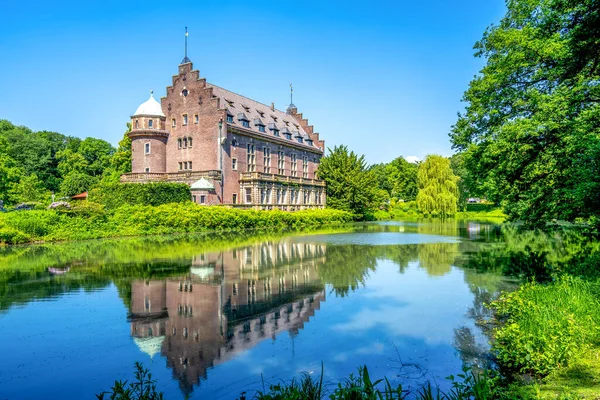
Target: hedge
{"points": [[115, 195]]}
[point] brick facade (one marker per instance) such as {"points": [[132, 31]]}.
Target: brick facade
{"points": [[204, 130]]}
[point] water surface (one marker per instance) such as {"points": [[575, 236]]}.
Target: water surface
{"points": [[213, 316]]}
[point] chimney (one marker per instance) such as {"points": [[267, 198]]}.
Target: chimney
{"points": [[272, 106]]}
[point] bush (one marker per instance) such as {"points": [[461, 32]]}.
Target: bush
{"points": [[13, 236], [152, 194], [546, 326]]}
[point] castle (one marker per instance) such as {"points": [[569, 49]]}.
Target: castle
{"points": [[230, 149]]}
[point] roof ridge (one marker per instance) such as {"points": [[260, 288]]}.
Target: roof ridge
{"points": [[246, 97]]}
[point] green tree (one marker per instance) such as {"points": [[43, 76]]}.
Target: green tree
{"points": [[77, 182], [350, 185], [10, 173], [438, 187], [121, 160], [531, 129], [402, 177], [28, 189], [97, 153]]}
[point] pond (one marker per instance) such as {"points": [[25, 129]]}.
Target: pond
{"points": [[214, 316]]}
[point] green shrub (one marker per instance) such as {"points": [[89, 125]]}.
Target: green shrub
{"points": [[546, 326], [36, 223], [13, 236], [114, 195]]}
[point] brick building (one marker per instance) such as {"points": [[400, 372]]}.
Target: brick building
{"points": [[230, 149]]}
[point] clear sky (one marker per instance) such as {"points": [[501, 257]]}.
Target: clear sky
{"points": [[383, 77]]}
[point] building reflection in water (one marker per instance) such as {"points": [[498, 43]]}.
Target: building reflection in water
{"points": [[228, 303]]}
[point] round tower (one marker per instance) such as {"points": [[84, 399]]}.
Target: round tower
{"points": [[148, 138]]}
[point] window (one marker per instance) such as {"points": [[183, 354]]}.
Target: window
{"points": [[278, 196], [190, 164], [173, 123], [246, 124], [234, 143], [137, 124], [251, 162], [294, 165], [185, 165], [261, 128], [275, 132], [180, 166], [305, 167], [306, 197], [189, 142], [283, 195], [185, 143], [194, 198], [185, 119], [230, 118], [179, 143], [146, 148], [269, 194], [288, 136], [235, 198], [185, 92], [196, 118], [267, 160], [150, 122], [147, 169], [248, 195], [299, 139], [202, 199], [281, 163], [263, 196], [234, 164]]}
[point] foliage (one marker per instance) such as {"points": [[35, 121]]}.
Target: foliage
{"points": [[89, 221], [402, 178], [28, 189], [350, 185], [438, 190], [142, 388], [154, 194], [530, 132], [547, 327], [76, 183], [121, 160]]}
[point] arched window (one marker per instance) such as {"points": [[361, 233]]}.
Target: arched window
{"points": [[189, 142], [185, 142], [137, 124]]}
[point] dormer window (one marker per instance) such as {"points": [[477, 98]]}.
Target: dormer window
{"points": [[230, 118], [261, 128], [258, 123], [244, 120], [150, 123], [275, 132], [288, 136], [309, 142], [299, 139]]}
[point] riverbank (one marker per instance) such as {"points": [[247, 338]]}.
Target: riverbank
{"points": [[93, 221], [409, 210]]}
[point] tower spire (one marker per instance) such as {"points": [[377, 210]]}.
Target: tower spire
{"points": [[185, 57], [291, 94]]}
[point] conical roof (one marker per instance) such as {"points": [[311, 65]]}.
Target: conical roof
{"points": [[150, 107]]}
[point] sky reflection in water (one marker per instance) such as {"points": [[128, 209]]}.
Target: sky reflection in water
{"points": [[392, 296]]}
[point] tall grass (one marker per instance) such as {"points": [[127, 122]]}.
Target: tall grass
{"points": [[545, 327]]}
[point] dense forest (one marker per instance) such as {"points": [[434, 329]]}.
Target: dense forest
{"points": [[36, 165]]}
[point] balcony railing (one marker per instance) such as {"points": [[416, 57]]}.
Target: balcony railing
{"points": [[261, 176], [170, 176]]}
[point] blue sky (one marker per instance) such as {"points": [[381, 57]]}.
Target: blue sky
{"points": [[385, 78]]}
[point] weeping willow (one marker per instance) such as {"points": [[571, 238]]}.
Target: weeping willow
{"points": [[438, 187]]}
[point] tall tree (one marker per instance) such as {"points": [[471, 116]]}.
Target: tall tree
{"points": [[438, 187], [531, 129], [121, 160], [402, 177], [350, 185]]}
